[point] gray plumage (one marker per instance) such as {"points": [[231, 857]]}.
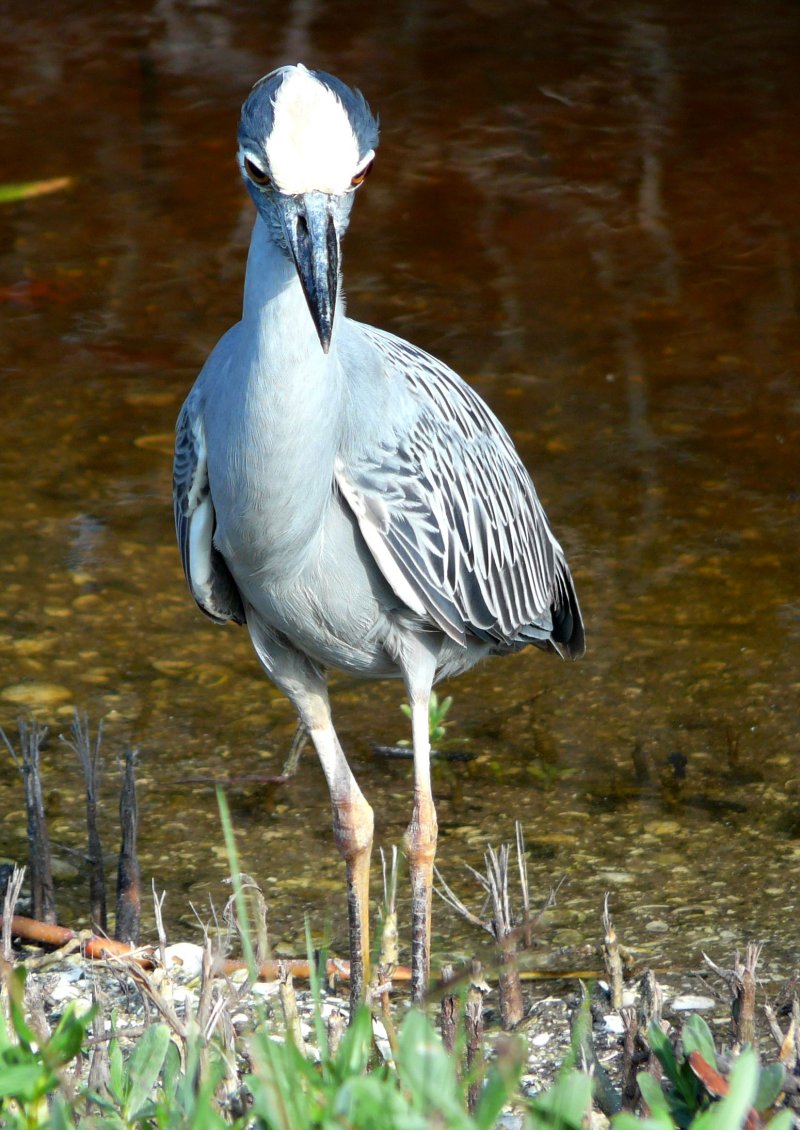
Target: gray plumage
{"points": [[340, 491]]}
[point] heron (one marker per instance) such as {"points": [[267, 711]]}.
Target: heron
{"points": [[346, 495]]}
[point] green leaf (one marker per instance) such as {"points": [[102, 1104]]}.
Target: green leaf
{"points": [[653, 1094], [144, 1066], [714, 1118], [352, 1056], [501, 1084], [782, 1121], [68, 1036], [117, 1077], [564, 1106], [732, 1110], [60, 1116], [280, 1086], [664, 1052], [696, 1037], [770, 1085], [686, 1099], [16, 999], [26, 1082], [373, 1101], [631, 1122], [171, 1072], [426, 1070]]}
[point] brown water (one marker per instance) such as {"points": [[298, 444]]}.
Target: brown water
{"points": [[595, 218]]}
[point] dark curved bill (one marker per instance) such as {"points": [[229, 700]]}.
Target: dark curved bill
{"points": [[314, 244]]}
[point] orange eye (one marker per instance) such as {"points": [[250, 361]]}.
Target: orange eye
{"points": [[257, 175], [359, 178]]}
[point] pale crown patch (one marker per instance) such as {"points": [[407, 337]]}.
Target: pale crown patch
{"points": [[312, 147]]}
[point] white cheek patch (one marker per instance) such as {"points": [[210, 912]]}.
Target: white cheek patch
{"points": [[312, 147]]}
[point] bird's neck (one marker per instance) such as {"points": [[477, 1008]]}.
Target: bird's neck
{"points": [[291, 399], [275, 309]]}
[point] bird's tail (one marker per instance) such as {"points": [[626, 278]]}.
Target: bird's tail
{"points": [[568, 636]]}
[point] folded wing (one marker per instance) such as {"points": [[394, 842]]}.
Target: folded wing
{"points": [[453, 520], [207, 575]]}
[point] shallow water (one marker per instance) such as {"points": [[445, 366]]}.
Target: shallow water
{"points": [[595, 219]]}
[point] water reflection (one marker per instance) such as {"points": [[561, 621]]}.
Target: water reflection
{"points": [[590, 215]]}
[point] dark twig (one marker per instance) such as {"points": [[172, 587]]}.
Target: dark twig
{"points": [[448, 1015], [128, 918], [31, 739], [630, 1028], [89, 757], [651, 1005], [473, 1024]]}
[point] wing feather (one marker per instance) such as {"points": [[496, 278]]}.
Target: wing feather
{"points": [[453, 520], [207, 575]]}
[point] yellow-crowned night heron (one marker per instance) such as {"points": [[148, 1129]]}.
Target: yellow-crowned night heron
{"points": [[344, 494]]}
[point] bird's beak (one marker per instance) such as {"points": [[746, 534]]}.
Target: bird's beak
{"points": [[313, 240]]}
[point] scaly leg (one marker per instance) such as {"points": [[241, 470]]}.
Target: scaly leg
{"points": [[352, 829], [420, 837]]}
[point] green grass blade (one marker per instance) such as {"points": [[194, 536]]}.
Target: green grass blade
{"points": [[236, 877], [144, 1066]]}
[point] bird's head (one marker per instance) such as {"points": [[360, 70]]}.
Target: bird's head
{"points": [[306, 143]]}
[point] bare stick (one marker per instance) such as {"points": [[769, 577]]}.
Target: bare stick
{"points": [[630, 1061], [509, 986], [743, 1011], [99, 1071], [89, 756], [31, 739], [128, 917], [289, 1006], [449, 1012], [473, 1022], [335, 1029], [299, 742], [741, 981], [256, 910], [158, 905], [500, 925], [150, 993], [9, 904], [522, 864], [390, 951], [612, 957]]}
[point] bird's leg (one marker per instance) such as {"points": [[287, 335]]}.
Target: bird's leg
{"points": [[352, 829], [304, 684], [420, 837]]}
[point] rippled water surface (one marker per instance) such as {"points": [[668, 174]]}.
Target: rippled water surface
{"points": [[595, 218]]}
